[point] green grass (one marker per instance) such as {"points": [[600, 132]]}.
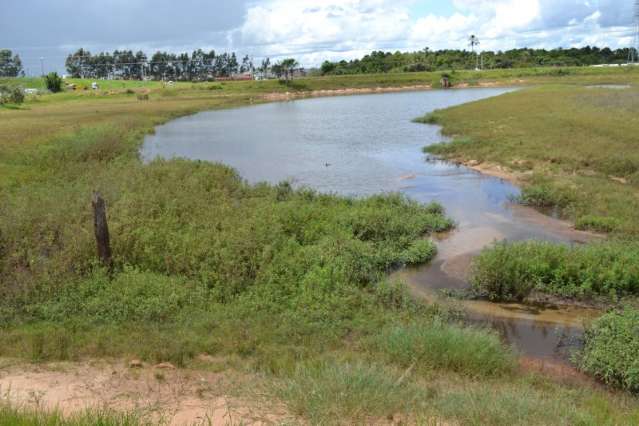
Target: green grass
{"points": [[357, 391], [289, 283], [10, 416], [336, 391], [572, 146], [443, 346]]}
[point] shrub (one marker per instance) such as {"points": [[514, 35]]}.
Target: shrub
{"points": [[597, 223], [511, 271], [505, 271], [53, 82], [12, 95], [544, 194], [420, 251], [612, 347]]}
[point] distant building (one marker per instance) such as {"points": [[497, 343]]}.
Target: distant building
{"points": [[633, 64], [299, 72]]}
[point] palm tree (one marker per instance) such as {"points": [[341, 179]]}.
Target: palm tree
{"points": [[288, 66], [473, 42]]}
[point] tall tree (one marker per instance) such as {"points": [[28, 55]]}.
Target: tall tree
{"points": [[247, 65], [288, 66], [10, 64], [265, 67]]}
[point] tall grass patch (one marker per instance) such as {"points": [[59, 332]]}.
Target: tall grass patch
{"points": [[511, 271], [342, 392], [11, 416], [439, 345]]}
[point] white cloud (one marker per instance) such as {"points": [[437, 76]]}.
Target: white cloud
{"points": [[314, 30], [280, 27]]}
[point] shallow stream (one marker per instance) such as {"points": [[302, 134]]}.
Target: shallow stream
{"points": [[367, 144]]}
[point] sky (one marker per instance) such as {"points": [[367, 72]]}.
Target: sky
{"points": [[43, 32]]}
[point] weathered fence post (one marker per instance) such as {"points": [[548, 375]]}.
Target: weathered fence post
{"points": [[101, 229]]}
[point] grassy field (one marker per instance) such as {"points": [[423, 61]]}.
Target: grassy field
{"points": [[574, 147], [287, 284]]}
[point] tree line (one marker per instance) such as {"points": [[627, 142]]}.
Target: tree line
{"points": [[199, 65], [436, 60]]}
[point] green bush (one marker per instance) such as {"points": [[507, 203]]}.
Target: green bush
{"points": [[53, 82], [131, 296], [597, 223], [544, 194], [11, 95], [611, 351], [511, 271]]}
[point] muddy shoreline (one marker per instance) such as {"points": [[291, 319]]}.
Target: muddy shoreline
{"points": [[288, 96]]}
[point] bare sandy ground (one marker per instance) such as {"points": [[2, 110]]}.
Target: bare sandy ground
{"points": [[161, 394]]}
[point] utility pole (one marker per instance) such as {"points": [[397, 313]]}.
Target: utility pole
{"points": [[42, 66]]}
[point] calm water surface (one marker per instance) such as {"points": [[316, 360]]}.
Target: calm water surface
{"points": [[362, 145]]}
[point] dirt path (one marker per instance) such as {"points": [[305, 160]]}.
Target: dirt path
{"points": [[161, 394]]}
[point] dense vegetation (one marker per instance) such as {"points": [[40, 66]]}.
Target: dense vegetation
{"points": [[511, 271], [612, 345], [574, 150], [10, 64], [434, 60], [199, 65], [282, 283]]}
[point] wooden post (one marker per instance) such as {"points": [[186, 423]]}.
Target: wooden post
{"points": [[101, 229]]}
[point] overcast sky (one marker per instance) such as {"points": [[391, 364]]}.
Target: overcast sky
{"points": [[310, 30]]}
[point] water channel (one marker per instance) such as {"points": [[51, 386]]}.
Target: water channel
{"points": [[367, 144]]}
